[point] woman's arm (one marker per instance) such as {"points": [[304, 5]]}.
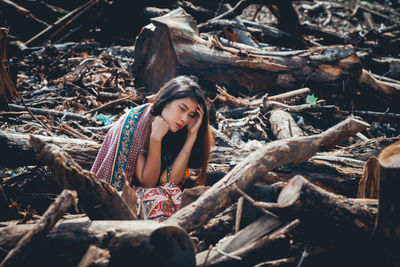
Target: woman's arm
{"points": [[180, 164], [179, 167], [148, 169]]}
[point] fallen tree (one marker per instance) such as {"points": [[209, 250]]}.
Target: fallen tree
{"points": [[171, 45], [136, 242], [255, 166], [99, 200], [20, 153]]}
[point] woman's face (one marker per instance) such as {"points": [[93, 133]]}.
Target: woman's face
{"points": [[179, 112]]}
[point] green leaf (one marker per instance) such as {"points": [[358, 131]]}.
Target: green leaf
{"points": [[311, 99]]}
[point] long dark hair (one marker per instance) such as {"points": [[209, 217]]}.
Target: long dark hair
{"points": [[178, 88]]}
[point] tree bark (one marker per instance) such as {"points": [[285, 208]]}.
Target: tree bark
{"points": [[265, 248], [183, 52], [95, 257], [141, 243], [368, 186], [388, 219], [98, 199], [20, 153], [254, 167], [33, 238], [283, 125], [252, 232], [341, 217]]}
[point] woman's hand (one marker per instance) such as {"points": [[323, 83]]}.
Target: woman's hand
{"points": [[194, 124], [159, 128]]}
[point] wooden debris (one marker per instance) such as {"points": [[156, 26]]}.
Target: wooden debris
{"points": [[388, 219], [20, 152], [283, 125], [341, 216], [368, 187], [272, 155], [95, 257], [98, 199], [142, 242], [250, 59], [184, 49], [32, 238]]}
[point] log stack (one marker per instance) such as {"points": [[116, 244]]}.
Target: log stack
{"points": [[296, 178]]}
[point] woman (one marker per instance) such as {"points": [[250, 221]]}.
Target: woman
{"points": [[155, 144]]}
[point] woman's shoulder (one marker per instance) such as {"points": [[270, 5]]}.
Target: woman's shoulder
{"points": [[140, 108]]}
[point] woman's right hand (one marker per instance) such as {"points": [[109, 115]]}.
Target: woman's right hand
{"points": [[159, 128]]}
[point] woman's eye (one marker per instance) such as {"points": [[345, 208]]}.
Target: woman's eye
{"points": [[182, 108]]}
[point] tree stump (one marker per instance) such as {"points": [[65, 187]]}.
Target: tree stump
{"points": [[388, 220], [171, 45]]}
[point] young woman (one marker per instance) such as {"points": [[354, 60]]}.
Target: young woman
{"points": [[156, 144]]}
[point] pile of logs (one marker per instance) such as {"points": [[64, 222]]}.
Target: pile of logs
{"points": [[305, 120]]}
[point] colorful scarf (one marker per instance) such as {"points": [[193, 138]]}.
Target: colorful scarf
{"points": [[121, 147]]}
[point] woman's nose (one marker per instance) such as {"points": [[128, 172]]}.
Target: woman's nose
{"points": [[184, 117]]}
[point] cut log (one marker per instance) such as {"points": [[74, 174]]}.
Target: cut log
{"points": [[31, 239], [283, 125], [366, 149], [268, 105], [184, 52], [52, 113], [388, 220], [251, 233], [289, 96], [387, 92], [368, 187], [143, 243], [98, 199], [341, 217], [255, 166], [95, 257], [60, 24], [20, 153], [222, 224], [264, 248]]}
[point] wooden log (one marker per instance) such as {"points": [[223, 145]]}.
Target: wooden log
{"points": [[185, 52], [20, 153], [387, 92], [222, 224], [20, 17], [98, 199], [52, 113], [143, 243], [61, 23], [368, 185], [276, 37], [288, 96], [285, 262], [388, 219], [283, 125], [244, 37], [254, 167], [252, 232], [31, 239], [268, 105], [341, 217], [365, 149], [335, 172], [263, 248], [95, 257]]}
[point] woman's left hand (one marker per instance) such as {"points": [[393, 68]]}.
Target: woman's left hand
{"points": [[194, 124]]}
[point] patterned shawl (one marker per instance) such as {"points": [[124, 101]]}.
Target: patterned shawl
{"points": [[121, 147]]}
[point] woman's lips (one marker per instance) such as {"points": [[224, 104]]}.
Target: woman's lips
{"points": [[179, 125]]}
